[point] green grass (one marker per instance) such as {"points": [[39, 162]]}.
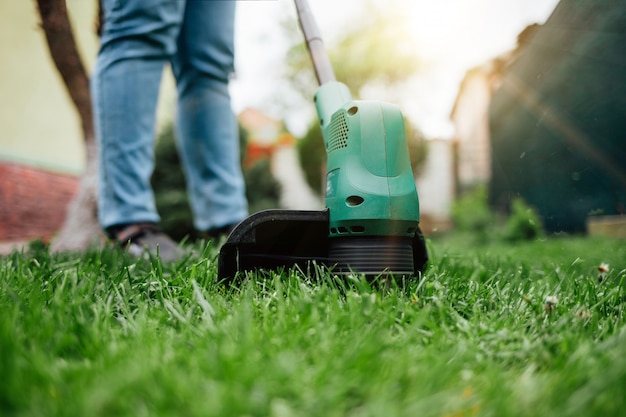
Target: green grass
{"points": [[100, 335]]}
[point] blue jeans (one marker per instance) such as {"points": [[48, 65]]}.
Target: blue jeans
{"points": [[139, 38]]}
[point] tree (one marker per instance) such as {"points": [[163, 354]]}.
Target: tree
{"points": [[80, 228], [374, 51]]}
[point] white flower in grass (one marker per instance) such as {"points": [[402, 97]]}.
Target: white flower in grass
{"points": [[550, 303], [603, 269]]}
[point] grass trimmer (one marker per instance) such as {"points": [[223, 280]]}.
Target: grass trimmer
{"points": [[371, 222]]}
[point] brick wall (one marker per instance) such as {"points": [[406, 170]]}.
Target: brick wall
{"points": [[33, 201]]}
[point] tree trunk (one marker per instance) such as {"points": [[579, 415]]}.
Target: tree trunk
{"points": [[80, 229]]}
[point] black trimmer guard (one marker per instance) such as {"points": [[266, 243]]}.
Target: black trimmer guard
{"points": [[283, 239]]}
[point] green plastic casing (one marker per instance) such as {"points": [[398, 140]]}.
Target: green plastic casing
{"points": [[370, 188]]}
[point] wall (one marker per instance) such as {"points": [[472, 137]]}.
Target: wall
{"points": [[32, 201], [436, 187]]}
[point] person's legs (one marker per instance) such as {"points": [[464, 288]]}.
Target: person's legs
{"points": [[206, 126], [139, 37]]}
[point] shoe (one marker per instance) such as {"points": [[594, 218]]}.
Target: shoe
{"points": [[141, 239]]}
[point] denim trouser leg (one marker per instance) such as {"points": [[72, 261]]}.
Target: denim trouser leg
{"points": [[139, 38], [207, 128]]}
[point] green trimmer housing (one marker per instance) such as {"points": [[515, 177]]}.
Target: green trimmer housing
{"points": [[371, 221]]}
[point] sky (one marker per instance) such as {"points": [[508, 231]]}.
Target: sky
{"points": [[451, 35]]}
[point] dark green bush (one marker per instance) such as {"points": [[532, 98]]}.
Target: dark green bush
{"points": [[312, 155], [471, 213], [523, 223], [262, 190]]}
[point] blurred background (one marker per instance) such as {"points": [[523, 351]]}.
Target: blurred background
{"points": [[511, 106]]}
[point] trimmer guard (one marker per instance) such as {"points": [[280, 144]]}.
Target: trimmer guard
{"points": [[283, 239]]}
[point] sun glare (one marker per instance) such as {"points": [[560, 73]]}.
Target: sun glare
{"points": [[457, 32]]}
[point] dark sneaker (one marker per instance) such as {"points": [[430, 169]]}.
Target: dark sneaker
{"points": [[140, 239]]}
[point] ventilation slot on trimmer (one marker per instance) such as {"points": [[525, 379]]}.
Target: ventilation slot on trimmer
{"points": [[338, 137]]}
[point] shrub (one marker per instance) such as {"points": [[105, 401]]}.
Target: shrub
{"points": [[471, 213], [312, 156], [523, 223], [262, 189]]}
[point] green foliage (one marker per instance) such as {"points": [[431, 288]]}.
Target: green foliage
{"points": [[312, 156], [262, 190], [373, 50], [418, 147], [523, 223], [471, 213], [168, 182], [100, 334]]}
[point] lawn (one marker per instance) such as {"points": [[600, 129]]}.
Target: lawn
{"points": [[529, 329]]}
